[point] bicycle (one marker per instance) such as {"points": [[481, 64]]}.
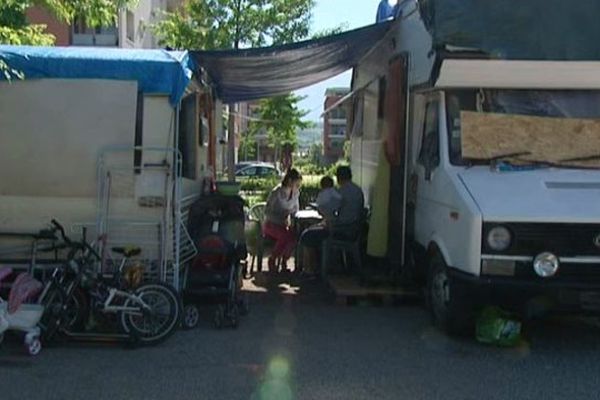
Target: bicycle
{"points": [[148, 313]]}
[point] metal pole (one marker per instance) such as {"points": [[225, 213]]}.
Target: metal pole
{"points": [[231, 125], [231, 144], [177, 171]]}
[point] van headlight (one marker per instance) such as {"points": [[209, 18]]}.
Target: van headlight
{"points": [[499, 238], [546, 265]]}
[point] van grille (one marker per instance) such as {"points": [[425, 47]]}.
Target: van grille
{"points": [[564, 240], [568, 272]]}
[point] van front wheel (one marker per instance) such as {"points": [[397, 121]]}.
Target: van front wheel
{"points": [[450, 309]]}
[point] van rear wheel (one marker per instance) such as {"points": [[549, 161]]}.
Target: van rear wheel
{"points": [[450, 308]]}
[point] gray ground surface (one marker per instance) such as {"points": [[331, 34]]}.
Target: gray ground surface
{"points": [[301, 346]]}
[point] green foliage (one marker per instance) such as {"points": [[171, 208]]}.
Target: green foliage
{"points": [[259, 184], [347, 151], [333, 168], [228, 24], [281, 118], [306, 166], [257, 190], [27, 35], [247, 149], [8, 72], [12, 13], [331, 31], [308, 194], [316, 154]]}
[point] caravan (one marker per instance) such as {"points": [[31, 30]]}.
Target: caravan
{"points": [[113, 142]]}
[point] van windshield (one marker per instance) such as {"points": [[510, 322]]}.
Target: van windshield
{"points": [[508, 130]]}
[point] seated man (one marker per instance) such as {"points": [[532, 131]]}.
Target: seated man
{"points": [[352, 205], [341, 212], [328, 201]]}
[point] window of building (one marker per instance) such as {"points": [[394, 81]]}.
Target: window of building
{"points": [[79, 26], [338, 113], [338, 130]]}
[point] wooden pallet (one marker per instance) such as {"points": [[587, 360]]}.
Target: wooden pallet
{"points": [[348, 291]]}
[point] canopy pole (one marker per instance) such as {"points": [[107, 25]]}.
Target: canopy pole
{"points": [[231, 144]]}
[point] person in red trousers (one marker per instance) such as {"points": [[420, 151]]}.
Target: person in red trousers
{"points": [[283, 203]]}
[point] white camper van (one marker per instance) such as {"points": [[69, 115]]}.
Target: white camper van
{"points": [[494, 193]]}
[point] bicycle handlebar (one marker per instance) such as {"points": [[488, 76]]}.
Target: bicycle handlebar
{"points": [[61, 229], [83, 244]]}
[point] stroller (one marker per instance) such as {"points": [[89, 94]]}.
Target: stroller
{"points": [[216, 225], [16, 315]]}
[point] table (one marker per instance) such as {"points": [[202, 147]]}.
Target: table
{"points": [[302, 220]]}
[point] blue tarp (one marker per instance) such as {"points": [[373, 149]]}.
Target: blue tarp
{"points": [[244, 75], [386, 11], [156, 71]]}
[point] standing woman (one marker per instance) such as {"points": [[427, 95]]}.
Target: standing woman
{"points": [[283, 202]]}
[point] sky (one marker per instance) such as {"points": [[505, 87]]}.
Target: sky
{"points": [[330, 14]]}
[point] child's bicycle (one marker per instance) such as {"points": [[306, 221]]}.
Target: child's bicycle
{"points": [[76, 294]]}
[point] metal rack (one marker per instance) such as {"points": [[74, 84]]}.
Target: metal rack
{"points": [[140, 204]]}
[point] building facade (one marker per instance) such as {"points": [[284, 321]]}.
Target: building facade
{"points": [[133, 28], [335, 132]]}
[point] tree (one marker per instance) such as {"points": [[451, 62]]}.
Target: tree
{"points": [[15, 29], [233, 24], [281, 118], [248, 146]]}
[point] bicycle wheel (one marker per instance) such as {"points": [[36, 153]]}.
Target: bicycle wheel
{"points": [[72, 317], [160, 321]]}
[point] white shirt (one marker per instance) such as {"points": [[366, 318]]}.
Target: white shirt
{"points": [[280, 205], [328, 202]]}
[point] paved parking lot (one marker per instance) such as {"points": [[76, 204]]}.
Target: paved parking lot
{"points": [[298, 345]]}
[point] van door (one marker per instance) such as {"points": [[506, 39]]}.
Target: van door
{"points": [[427, 170], [396, 147]]}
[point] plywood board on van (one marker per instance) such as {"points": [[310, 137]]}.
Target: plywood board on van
{"points": [[487, 135]]}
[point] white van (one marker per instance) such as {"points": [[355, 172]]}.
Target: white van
{"points": [[495, 195]]}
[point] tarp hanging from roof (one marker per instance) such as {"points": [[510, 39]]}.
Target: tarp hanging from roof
{"points": [[532, 29], [156, 71], [244, 75]]}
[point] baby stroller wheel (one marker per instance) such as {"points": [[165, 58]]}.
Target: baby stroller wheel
{"points": [[191, 316], [219, 317], [244, 305], [234, 316], [33, 346]]}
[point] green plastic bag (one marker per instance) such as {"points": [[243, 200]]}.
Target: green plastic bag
{"points": [[498, 327]]}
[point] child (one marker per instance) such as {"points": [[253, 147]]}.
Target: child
{"points": [[328, 200]]}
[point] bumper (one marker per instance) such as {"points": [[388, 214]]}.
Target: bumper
{"points": [[529, 296]]}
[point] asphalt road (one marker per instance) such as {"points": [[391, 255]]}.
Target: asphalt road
{"points": [[296, 344]]}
